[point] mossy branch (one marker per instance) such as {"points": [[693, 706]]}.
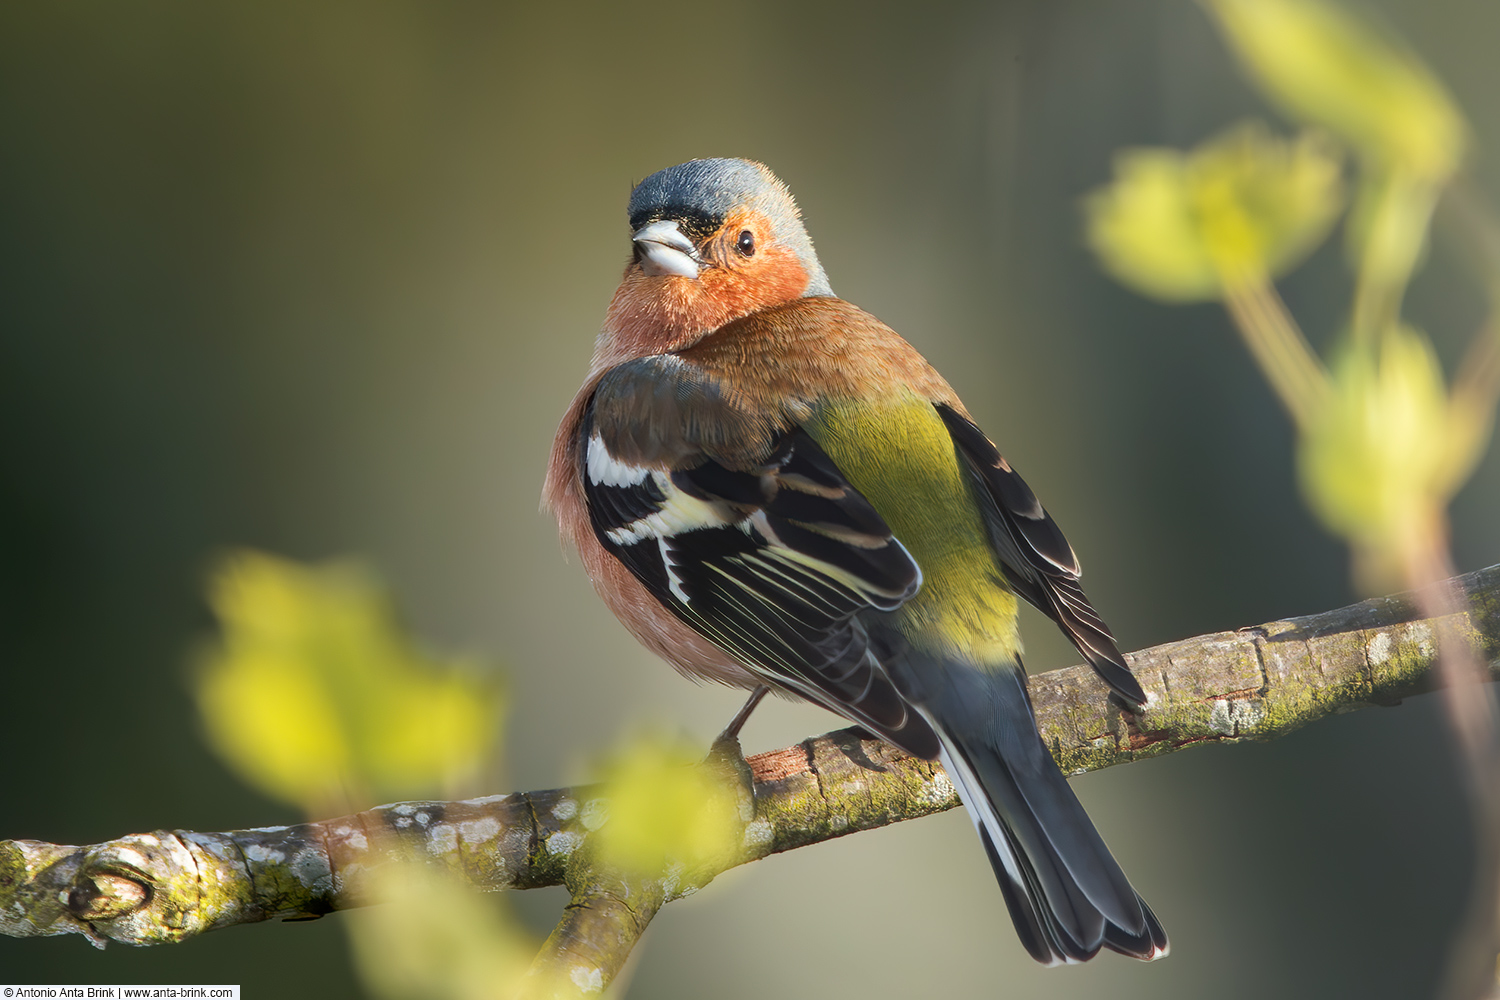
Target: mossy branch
{"points": [[1257, 683]]}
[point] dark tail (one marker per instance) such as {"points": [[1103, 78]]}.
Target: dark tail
{"points": [[1067, 895]]}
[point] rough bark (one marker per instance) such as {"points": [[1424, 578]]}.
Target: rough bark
{"points": [[1257, 683]]}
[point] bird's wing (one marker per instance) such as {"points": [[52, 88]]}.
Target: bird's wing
{"points": [[750, 535], [1037, 560]]}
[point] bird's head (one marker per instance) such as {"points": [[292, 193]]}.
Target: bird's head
{"points": [[712, 241]]}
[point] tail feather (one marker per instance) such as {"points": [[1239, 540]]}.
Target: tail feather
{"points": [[1029, 928], [1066, 893], [1150, 946]]}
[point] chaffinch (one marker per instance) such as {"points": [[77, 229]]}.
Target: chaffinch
{"points": [[769, 486]]}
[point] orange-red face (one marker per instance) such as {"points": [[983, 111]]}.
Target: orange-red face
{"points": [[740, 268]]}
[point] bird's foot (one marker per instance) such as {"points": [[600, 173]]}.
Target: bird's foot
{"points": [[726, 759]]}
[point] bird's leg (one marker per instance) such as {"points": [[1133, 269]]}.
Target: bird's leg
{"points": [[726, 755], [732, 731]]}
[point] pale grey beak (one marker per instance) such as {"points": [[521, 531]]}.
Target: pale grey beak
{"points": [[665, 250]]}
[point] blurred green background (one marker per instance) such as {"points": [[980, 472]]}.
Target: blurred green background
{"points": [[321, 279]]}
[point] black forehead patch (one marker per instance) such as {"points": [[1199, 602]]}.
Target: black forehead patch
{"points": [[695, 225], [696, 195]]}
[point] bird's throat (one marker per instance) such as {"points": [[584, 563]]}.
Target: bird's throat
{"points": [[658, 314]]}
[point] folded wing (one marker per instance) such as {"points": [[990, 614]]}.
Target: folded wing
{"points": [[1037, 560], [774, 557]]}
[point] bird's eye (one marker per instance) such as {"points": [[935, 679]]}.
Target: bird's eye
{"points": [[745, 244]]}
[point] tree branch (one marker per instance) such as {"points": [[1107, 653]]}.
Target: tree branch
{"points": [[1257, 683]]}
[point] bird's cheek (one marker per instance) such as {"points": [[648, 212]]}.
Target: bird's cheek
{"points": [[771, 280]]}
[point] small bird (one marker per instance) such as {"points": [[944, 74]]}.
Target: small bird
{"points": [[771, 488]]}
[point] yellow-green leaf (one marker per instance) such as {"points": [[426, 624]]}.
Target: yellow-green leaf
{"points": [[1324, 66], [435, 938], [1387, 449], [664, 806], [316, 696], [1245, 205]]}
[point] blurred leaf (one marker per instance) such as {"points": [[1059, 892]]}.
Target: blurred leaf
{"points": [[1180, 226], [1387, 450], [1387, 236], [435, 938], [1323, 65], [1144, 229], [663, 806], [315, 695]]}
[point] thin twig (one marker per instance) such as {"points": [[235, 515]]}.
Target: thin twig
{"points": [[1278, 346], [1257, 683]]}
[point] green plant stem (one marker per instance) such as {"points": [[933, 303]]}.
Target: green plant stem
{"points": [[1257, 683], [1390, 227], [1278, 346]]}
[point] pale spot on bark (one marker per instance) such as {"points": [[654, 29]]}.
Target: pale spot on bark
{"points": [[1422, 633], [587, 979], [758, 833], [595, 813], [490, 800], [442, 839], [939, 789], [564, 842], [478, 831], [1229, 716]]}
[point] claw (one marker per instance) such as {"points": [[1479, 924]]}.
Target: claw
{"points": [[727, 759]]}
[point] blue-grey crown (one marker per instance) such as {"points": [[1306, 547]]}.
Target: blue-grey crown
{"points": [[700, 193]]}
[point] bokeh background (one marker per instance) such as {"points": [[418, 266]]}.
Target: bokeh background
{"points": [[320, 279]]}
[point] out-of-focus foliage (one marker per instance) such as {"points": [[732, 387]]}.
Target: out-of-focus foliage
{"points": [[1383, 446], [314, 694], [433, 938], [1383, 449], [1322, 65], [663, 807], [1181, 226], [1387, 449]]}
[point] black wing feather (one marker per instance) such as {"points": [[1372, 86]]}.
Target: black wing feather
{"points": [[778, 563], [1038, 561]]}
